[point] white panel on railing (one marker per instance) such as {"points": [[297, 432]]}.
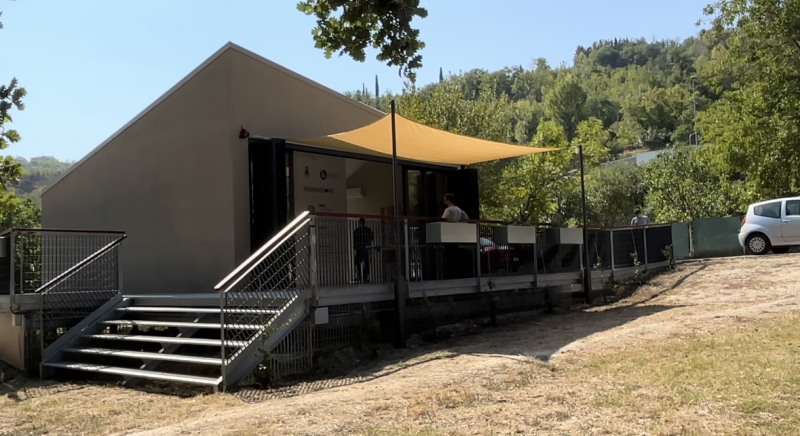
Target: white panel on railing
{"points": [[452, 233], [507, 235]]}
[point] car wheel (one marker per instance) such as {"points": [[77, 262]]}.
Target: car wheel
{"points": [[757, 244], [780, 250]]}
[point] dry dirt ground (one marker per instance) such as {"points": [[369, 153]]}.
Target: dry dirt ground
{"points": [[674, 358]]}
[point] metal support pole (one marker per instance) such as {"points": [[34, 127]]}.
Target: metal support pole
{"points": [[478, 256], [408, 257], [399, 283], [694, 101], [312, 229], [536, 261], [22, 266], [644, 238], [12, 255], [586, 271], [611, 236], [222, 337]]}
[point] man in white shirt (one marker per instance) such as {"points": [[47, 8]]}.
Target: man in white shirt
{"points": [[453, 213], [639, 219]]}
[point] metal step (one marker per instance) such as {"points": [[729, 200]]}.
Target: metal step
{"points": [[145, 356], [164, 309], [274, 294], [167, 340], [153, 375], [196, 325]]}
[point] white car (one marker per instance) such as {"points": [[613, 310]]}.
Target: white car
{"points": [[772, 224]]}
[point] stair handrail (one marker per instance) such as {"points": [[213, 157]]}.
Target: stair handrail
{"points": [[259, 255], [241, 271], [75, 268]]}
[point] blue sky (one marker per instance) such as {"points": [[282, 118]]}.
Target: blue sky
{"points": [[89, 66]]}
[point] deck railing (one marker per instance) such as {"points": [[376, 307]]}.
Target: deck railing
{"points": [[70, 273], [341, 253]]}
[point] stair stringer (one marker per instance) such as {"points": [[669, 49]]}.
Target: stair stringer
{"points": [[74, 335], [279, 328]]}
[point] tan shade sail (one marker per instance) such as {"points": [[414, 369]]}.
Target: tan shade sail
{"points": [[417, 142]]}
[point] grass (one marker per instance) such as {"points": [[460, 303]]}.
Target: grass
{"points": [[748, 377], [744, 381], [74, 409]]}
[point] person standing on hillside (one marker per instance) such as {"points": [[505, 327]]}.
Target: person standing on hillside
{"points": [[639, 219]]}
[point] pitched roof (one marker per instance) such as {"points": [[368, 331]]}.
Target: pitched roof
{"points": [[193, 73]]}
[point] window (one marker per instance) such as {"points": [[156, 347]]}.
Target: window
{"points": [[769, 210], [792, 207]]}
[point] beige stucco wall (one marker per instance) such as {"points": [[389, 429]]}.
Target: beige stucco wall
{"points": [[273, 103], [376, 181], [166, 180], [11, 341], [177, 180]]}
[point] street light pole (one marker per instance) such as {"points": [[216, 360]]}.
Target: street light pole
{"points": [[694, 103], [586, 273]]}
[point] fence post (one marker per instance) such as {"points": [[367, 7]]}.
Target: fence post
{"points": [[12, 255], [312, 230], [644, 237], [407, 251], [536, 258], [119, 267], [478, 254], [22, 266], [611, 237]]}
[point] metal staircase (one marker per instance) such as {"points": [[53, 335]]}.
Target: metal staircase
{"points": [[212, 339]]}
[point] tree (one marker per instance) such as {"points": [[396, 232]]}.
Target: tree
{"points": [[565, 103], [590, 134], [533, 188], [350, 26], [13, 211], [612, 193], [19, 213], [755, 125], [682, 184], [10, 98]]}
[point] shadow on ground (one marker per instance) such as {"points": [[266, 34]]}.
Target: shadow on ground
{"points": [[539, 337]]}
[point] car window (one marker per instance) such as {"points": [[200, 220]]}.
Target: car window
{"points": [[769, 210], [792, 207]]}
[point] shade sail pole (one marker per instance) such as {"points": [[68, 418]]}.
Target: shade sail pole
{"points": [[399, 283], [586, 274]]}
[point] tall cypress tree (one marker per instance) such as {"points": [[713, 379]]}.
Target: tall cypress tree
{"points": [[377, 94]]}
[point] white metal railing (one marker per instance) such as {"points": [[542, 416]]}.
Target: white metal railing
{"points": [[262, 287]]}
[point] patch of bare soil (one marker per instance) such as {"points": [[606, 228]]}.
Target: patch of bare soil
{"points": [[555, 374]]}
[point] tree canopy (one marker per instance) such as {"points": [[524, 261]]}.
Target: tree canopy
{"points": [[13, 211], [349, 27], [736, 83]]}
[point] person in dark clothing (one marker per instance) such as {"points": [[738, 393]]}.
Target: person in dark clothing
{"points": [[362, 243]]}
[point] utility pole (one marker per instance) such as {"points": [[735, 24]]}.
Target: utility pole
{"points": [[586, 274], [694, 103]]}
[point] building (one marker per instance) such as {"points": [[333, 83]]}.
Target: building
{"points": [[249, 180]]}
